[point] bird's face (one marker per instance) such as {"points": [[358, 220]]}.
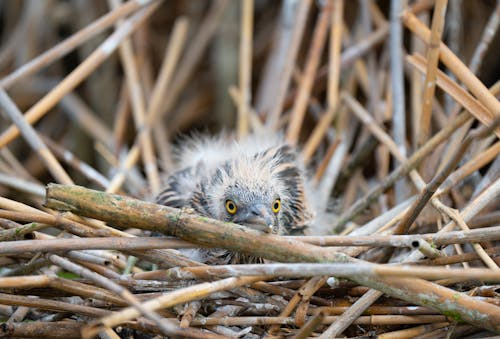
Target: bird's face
{"points": [[258, 210], [263, 191]]}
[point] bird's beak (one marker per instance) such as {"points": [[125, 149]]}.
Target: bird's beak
{"points": [[259, 218]]}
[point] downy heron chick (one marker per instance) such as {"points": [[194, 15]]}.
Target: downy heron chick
{"points": [[257, 182]]}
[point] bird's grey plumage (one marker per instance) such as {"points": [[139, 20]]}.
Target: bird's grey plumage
{"points": [[261, 178]]}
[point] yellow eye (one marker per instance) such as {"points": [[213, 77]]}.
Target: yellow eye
{"points": [[276, 205], [231, 207]]}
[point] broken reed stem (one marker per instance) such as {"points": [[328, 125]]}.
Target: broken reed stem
{"points": [[430, 74], [80, 73], [306, 83], [245, 69], [201, 230], [333, 81]]}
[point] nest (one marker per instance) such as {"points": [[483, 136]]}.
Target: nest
{"points": [[393, 107]]}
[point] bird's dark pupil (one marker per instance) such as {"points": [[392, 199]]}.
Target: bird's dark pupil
{"points": [[231, 206], [276, 205]]}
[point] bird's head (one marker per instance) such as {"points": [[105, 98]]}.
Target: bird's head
{"points": [[258, 209], [259, 191]]}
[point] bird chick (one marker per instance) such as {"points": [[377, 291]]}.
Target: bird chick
{"points": [[257, 182]]}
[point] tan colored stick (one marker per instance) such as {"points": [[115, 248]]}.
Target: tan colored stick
{"points": [[313, 58], [430, 74], [245, 67]]}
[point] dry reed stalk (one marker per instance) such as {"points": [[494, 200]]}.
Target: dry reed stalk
{"points": [[397, 87], [448, 238], [371, 320], [310, 69], [88, 243], [245, 69], [412, 332], [135, 90], [33, 139], [333, 81], [302, 11], [338, 270], [165, 75], [430, 74]]}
